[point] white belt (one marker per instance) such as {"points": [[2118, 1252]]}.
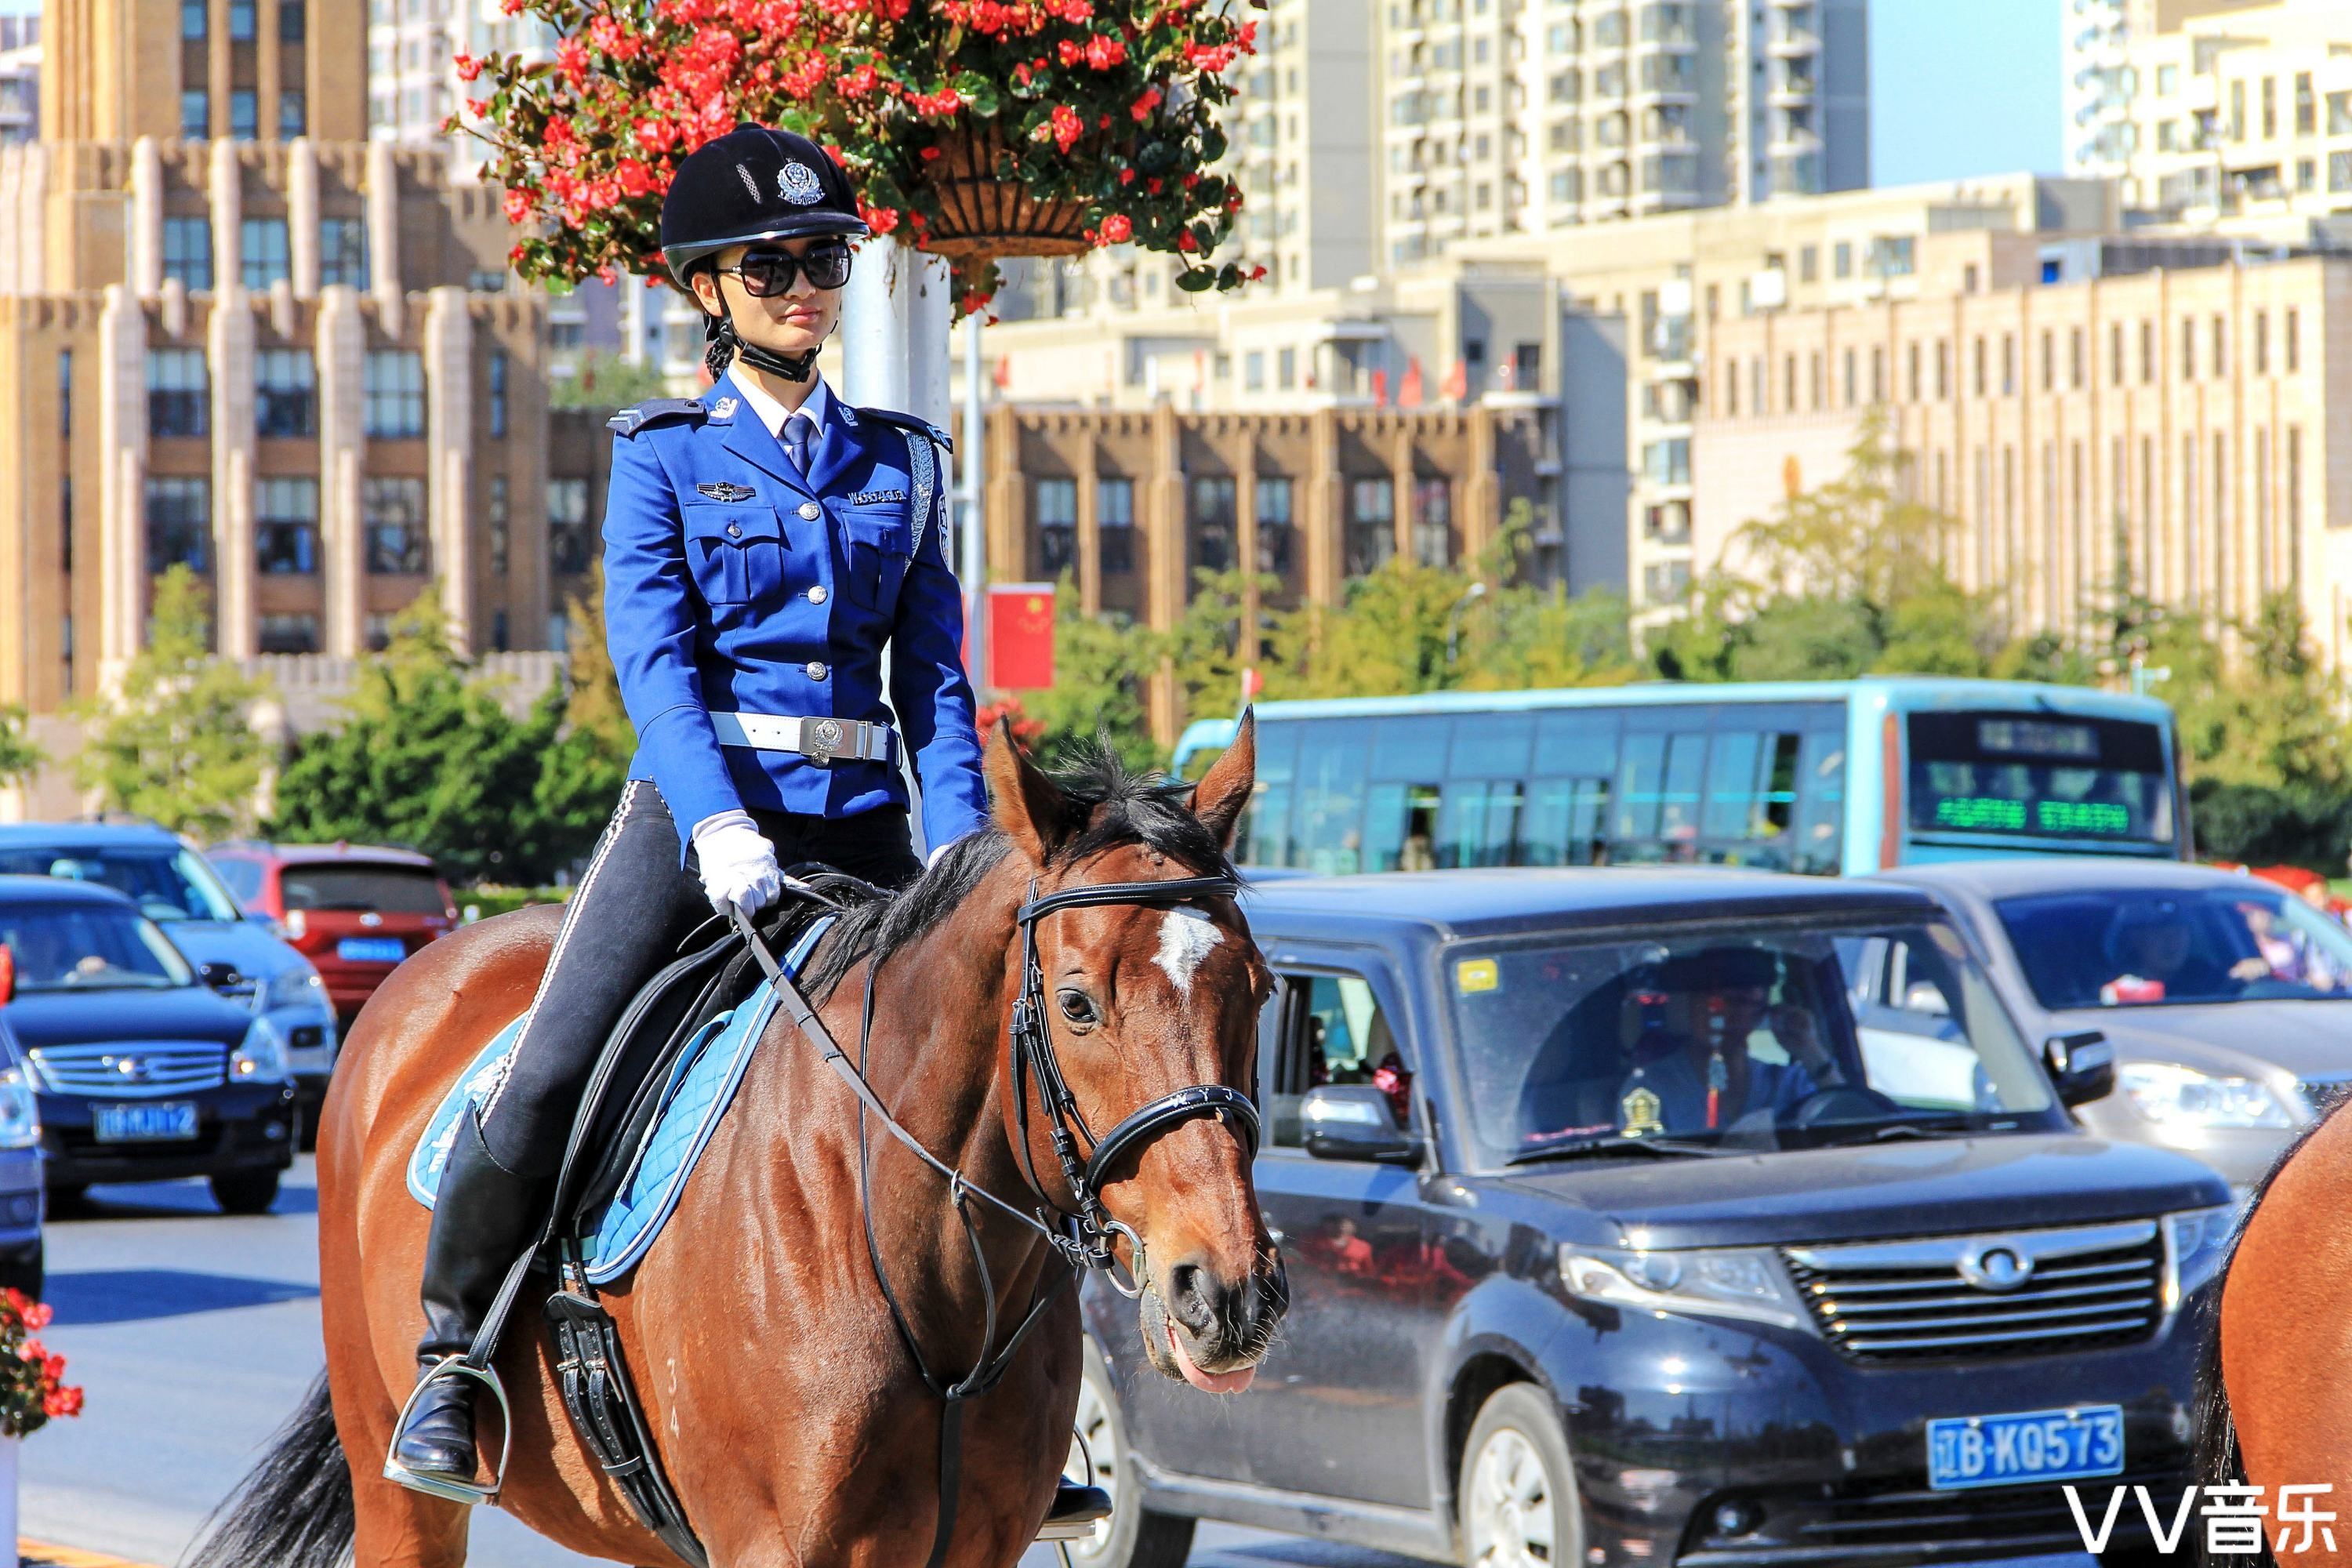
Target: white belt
{"points": [[818, 740]]}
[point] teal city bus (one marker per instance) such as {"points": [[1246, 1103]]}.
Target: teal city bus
{"points": [[1827, 777]]}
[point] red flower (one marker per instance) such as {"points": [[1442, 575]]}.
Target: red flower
{"points": [[881, 220], [1127, 176], [636, 178], [1072, 51], [469, 67], [1118, 229], [571, 60], [1143, 107], [1186, 243], [1104, 50], [931, 155], [1256, 273], [519, 205], [1067, 126]]}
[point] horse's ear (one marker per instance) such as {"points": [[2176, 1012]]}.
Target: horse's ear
{"points": [[1029, 807], [1224, 792]]}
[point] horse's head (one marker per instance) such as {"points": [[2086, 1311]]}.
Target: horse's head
{"points": [[1143, 999]]}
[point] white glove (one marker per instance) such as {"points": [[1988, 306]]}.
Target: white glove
{"points": [[739, 864]]}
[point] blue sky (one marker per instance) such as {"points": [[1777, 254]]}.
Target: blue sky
{"points": [[1963, 87]]}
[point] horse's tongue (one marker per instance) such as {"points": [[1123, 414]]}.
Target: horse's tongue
{"points": [[1208, 1381]]}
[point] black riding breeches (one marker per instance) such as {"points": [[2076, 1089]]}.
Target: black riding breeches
{"points": [[631, 908]]}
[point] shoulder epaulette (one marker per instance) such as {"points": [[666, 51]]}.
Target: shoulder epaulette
{"points": [[655, 411], [908, 422]]}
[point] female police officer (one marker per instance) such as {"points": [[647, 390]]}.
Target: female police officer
{"points": [[763, 544]]}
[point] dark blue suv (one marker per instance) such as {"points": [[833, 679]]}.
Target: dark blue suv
{"points": [[175, 887], [142, 1072]]}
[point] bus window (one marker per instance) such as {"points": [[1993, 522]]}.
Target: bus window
{"points": [[1492, 746], [1640, 779], [1565, 823], [1478, 823], [1400, 827], [1576, 745], [1751, 786], [1265, 832], [1327, 824], [1678, 804], [1821, 803]]}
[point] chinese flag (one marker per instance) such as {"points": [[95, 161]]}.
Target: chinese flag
{"points": [[1408, 394], [1457, 382], [1020, 635], [1380, 388]]}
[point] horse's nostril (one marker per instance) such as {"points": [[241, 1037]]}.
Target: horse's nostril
{"points": [[1193, 1302]]}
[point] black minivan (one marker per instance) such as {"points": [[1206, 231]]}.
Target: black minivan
{"points": [[1627, 1225]]}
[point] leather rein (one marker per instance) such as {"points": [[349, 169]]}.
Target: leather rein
{"points": [[1083, 1236]]}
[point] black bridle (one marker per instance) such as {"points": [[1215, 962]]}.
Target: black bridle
{"points": [[1086, 1238]]}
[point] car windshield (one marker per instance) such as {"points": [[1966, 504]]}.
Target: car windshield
{"points": [[1754, 1039], [168, 884], [2137, 947], [362, 884], [89, 947]]}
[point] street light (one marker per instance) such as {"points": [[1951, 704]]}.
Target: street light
{"points": [[1453, 620]]}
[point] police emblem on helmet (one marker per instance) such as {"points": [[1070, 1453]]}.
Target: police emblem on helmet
{"points": [[798, 184]]}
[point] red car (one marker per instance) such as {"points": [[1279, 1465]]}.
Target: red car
{"points": [[352, 909]]}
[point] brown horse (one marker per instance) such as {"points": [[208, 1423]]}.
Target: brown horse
{"points": [[789, 1415], [2273, 1410]]}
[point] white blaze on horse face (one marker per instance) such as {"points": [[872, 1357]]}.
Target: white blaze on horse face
{"points": [[1187, 936]]}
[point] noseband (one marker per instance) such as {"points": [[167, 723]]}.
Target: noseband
{"points": [[1034, 1057]]}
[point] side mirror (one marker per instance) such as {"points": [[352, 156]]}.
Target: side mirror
{"points": [[2081, 1065], [1353, 1121], [221, 976]]}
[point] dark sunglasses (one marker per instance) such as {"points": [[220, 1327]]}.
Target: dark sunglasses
{"points": [[768, 273]]}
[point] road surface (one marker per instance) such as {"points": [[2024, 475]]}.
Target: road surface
{"points": [[195, 1333]]}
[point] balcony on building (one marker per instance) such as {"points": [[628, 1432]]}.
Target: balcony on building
{"points": [[1790, 84], [1668, 25], [1792, 34]]}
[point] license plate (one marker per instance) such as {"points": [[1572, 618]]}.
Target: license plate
{"points": [[2029, 1445], [144, 1123], [370, 950]]}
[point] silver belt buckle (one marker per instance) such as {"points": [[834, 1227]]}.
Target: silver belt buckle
{"points": [[822, 740]]}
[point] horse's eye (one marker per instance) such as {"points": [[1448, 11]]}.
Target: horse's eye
{"points": [[1075, 1007]]}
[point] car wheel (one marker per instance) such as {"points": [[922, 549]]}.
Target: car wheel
{"points": [[1518, 1497], [25, 1270], [1133, 1536], [244, 1192]]}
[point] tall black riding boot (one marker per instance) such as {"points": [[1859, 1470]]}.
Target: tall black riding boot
{"points": [[483, 1217]]}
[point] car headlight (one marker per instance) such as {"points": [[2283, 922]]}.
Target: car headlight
{"points": [[1726, 1282], [261, 1058], [20, 1113], [2173, 1095], [2196, 1246], [298, 985]]}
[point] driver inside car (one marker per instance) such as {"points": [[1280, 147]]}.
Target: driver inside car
{"points": [[1693, 1070]]}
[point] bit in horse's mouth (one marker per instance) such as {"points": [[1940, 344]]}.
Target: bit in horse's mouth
{"points": [[1160, 1327]]}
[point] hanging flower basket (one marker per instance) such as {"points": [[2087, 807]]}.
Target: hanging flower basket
{"points": [[978, 130], [986, 214]]}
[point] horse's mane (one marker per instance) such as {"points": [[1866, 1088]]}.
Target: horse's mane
{"points": [[1105, 807]]}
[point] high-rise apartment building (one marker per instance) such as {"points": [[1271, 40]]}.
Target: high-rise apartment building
{"points": [[1501, 119], [2103, 76], [412, 49]]}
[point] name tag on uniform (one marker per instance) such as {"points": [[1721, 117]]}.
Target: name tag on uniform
{"points": [[723, 492], [869, 498]]}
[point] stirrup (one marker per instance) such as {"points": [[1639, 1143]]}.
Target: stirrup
{"points": [[468, 1492]]}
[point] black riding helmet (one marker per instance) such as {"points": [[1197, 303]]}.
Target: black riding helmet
{"points": [[753, 183]]}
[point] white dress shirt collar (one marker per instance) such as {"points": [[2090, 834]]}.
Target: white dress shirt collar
{"points": [[772, 413]]}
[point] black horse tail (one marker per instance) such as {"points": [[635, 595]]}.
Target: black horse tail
{"points": [[2214, 1456], [295, 1510]]}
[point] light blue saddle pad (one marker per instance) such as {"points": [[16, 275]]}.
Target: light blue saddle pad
{"points": [[701, 1085]]}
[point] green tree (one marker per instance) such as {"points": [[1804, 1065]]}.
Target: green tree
{"points": [[21, 756], [428, 756], [1102, 671], [176, 742]]}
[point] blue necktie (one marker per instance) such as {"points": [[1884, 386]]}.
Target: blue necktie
{"points": [[797, 431]]}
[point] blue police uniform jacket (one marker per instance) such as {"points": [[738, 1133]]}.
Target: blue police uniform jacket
{"points": [[732, 584]]}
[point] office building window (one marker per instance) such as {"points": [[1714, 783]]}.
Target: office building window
{"points": [[1842, 259], [285, 529], [568, 551], [2262, 342], [240, 21], [1213, 523], [2291, 341], [394, 383], [244, 113], [1980, 353], [498, 374], [2115, 353], [342, 252], [377, 630], [264, 260], [393, 519], [1433, 520], [2074, 359], [196, 112], [1254, 371], [1372, 525], [285, 393], [1911, 370], [1851, 379], [2187, 349], [292, 112], [2220, 357], [497, 523], [179, 524], [195, 19], [1055, 504], [2007, 364], [2147, 352], [1274, 523], [291, 633], [188, 252], [179, 392], [291, 18], [2049, 360], [1115, 523], [1287, 369]]}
